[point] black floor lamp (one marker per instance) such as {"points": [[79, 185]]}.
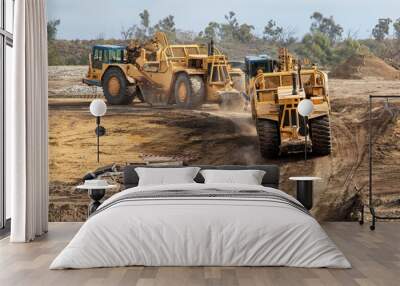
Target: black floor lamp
{"points": [[371, 205], [98, 108]]}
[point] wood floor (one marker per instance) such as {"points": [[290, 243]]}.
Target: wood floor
{"points": [[375, 257]]}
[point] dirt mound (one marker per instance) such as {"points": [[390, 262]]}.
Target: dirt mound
{"points": [[365, 66]]}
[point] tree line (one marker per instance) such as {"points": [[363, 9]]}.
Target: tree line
{"points": [[324, 43]]}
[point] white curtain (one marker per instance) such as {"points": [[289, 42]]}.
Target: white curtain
{"points": [[26, 124]]}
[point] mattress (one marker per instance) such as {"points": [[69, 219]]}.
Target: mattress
{"points": [[201, 225]]}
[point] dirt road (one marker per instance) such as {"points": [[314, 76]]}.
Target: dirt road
{"points": [[210, 136]]}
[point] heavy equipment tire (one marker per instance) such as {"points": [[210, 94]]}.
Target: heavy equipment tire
{"points": [[320, 133], [115, 87], [268, 137], [189, 91]]}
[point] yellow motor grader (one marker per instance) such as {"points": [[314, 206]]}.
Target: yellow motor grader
{"points": [[276, 87], [160, 74]]}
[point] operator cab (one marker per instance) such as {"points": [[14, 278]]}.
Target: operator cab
{"points": [[107, 54], [263, 62]]}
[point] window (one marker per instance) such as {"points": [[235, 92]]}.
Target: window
{"points": [[6, 44], [113, 55], [7, 89], [105, 56], [116, 56], [9, 19], [96, 55]]}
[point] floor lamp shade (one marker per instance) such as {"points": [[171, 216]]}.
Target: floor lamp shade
{"points": [[305, 107], [98, 108]]}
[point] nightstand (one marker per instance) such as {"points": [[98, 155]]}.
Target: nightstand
{"points": [[304, 193], [96, 191]]}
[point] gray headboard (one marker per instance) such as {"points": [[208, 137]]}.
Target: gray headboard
{"points": [[271, 177]]}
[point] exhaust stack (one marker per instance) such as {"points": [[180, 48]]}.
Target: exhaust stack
{"points": [[211, 48], [294, 81]]}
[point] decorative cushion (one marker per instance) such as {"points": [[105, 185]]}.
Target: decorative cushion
{"points": [[246, 177], [163, 176]]}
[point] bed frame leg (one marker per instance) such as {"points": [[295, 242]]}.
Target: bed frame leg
{"points": [[361, 220]]}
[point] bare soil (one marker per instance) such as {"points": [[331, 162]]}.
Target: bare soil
{"points": [[364, 67], [211, 136]]}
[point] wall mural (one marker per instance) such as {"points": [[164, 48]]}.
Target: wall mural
{"points": [[225, 94]]}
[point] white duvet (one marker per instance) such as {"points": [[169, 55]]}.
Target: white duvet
{"points": [[200, 231]]}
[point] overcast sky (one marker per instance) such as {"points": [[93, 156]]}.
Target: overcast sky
{"points": [[86, 19]]}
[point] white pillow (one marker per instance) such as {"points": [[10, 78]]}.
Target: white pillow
{"points": [[247, 177], [166, 176]]}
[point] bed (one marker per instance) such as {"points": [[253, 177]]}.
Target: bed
{"points": [[199, 224]]}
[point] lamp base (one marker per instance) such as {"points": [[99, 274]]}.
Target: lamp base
{"points": [[304, 193]]}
